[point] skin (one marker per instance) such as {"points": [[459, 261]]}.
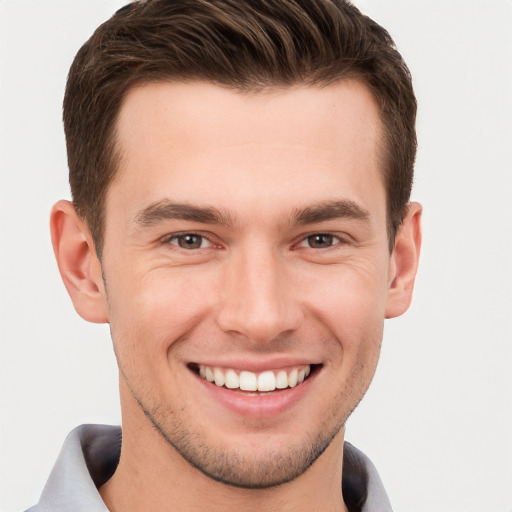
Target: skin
{"points": [[257, 288]]}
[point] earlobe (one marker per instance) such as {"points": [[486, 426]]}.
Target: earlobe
{"points": [[405, 259], [78, 263]]}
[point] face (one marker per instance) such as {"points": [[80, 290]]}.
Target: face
{"points": [[247, 270]]}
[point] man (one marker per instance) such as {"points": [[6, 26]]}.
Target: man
{"points": [[241, 173]]}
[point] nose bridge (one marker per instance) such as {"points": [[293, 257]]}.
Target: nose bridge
{"points": [[257, 300]]}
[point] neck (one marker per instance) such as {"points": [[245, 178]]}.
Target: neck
{"points": [[152, 476]]}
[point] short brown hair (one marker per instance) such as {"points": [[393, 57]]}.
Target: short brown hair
{"points": [[246, 45]]}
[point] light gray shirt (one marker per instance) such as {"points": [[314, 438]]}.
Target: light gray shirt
{"points": [[90, 456]]}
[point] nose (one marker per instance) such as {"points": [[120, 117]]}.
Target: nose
{"points": [[258, 300]]}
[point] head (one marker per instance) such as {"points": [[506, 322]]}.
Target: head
{"points": [[240, 171], [241, 45]]}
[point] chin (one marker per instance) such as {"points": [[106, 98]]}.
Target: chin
{"points": [[263, 462], [269, 467]]}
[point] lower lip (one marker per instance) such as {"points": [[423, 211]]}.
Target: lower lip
{"points": [[259, 406]]}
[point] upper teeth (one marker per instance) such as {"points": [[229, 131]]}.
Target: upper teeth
{"points": [[249, 381]]}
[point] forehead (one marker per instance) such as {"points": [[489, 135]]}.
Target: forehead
{"points": [[196, 110], [207, 143]]}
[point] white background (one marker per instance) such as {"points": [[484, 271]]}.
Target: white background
{"points": [[437, 420]]}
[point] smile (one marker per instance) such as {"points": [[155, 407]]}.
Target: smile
{"points": [[269, 380]]}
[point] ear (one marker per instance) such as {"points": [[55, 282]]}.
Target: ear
{"points": [[78, 263], [404, 262]]}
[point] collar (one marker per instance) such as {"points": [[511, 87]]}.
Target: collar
{"points": [[91, 453]]}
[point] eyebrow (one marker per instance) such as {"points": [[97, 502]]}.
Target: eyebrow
{"points": [[329, 210], [169, 210], [318, 212]]}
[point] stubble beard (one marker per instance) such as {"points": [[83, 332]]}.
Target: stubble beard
{"points": [[270, 468]]}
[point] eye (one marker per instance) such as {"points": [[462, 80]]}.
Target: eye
{"points": [[320, 241], [189, 241]]}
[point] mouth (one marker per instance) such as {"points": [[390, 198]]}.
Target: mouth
{"points": [[247, 381]]}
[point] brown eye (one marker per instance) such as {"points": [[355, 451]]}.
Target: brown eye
{"points": [[320, 241], [189, 241]]}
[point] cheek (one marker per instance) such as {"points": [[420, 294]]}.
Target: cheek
{"points": [[351, 304], [350, 299], [150, 314]]}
